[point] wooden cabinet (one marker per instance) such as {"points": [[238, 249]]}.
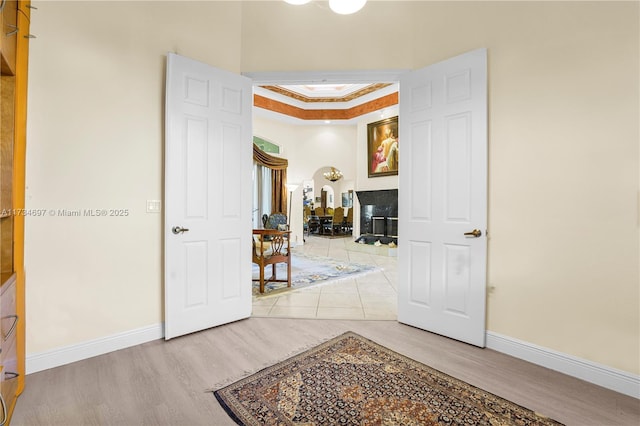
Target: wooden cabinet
{"points": [[13, 119], [7, 131], [9, 35], [25, 7], [8, 327]]}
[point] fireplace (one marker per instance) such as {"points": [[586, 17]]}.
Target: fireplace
{"points": [[378, 225], [378, 216]]}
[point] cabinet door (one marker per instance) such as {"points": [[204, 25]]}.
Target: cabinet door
{"points": [[25, 7], [9, 36], [9, 357]]}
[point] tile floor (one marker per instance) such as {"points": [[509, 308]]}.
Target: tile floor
{"points": [[372, 296]]}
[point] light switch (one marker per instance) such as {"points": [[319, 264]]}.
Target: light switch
{"points": [[153, 206]]}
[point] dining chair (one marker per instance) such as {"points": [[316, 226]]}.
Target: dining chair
{"points": [[271, 251], [348, 221]]}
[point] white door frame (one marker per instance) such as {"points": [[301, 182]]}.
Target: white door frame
{"points": [[325, 77]]}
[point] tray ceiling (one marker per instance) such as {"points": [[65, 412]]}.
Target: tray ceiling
{"points": [[327, 102]]}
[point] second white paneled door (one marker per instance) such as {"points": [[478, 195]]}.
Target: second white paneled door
{"points": [[443, 198]]}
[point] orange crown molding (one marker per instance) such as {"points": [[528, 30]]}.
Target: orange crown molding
{"points": [[325, 114], [351, 96]]}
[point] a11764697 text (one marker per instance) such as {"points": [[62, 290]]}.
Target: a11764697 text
{"points": [[66, 212]]}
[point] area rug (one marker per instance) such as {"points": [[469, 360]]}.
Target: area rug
{"points": [[351, 380], [308, 270]]}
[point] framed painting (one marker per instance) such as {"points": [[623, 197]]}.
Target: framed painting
{"points": [[347, 199], [382, 147]]}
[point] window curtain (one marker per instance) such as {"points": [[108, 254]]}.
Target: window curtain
{"points": [[261, 193], [278, 168]]}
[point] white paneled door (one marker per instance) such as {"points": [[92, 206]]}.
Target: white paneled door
{"points": [[443, 198], [207, 223]]}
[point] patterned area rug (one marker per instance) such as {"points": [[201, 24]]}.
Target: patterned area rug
{"points": [[308, 270], [351, 380]]}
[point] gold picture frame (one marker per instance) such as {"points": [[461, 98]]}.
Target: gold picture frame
{"points": [[382, 147]]}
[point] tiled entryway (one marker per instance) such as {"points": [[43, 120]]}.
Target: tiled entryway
{"points": [[372, 296]]}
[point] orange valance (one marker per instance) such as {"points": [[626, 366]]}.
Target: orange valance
{"points": [[264, 159]]}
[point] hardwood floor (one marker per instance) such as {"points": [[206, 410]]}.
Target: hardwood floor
{"points": [[166, 383]]}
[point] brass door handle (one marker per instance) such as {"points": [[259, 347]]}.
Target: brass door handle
{"points": [[475, 233]]}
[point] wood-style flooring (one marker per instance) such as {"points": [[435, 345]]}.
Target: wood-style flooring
{"points": [[165, 383]]}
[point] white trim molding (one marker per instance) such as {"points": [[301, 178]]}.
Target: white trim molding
{"points": [[601, 375], [68, 354], [325, 77]]}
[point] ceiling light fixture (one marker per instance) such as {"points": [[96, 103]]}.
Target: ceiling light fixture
{"points": [[342, 7], [346, 7], [333, 175]]}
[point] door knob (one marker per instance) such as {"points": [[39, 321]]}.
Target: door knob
{"points": [[179, 230], [475, 233]]}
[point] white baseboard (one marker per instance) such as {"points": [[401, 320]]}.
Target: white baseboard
{"points": [[601, 375], [68, 354]]}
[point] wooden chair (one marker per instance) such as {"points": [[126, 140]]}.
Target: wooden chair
{"points": [[338, 220], [335, 222], [276, 250], [306, 214], [348, 222], [314, 224]]}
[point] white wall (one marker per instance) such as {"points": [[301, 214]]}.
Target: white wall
{"points": [[311, 149], [563, 169], [95, 141], [308, 149], [563, 138]]}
